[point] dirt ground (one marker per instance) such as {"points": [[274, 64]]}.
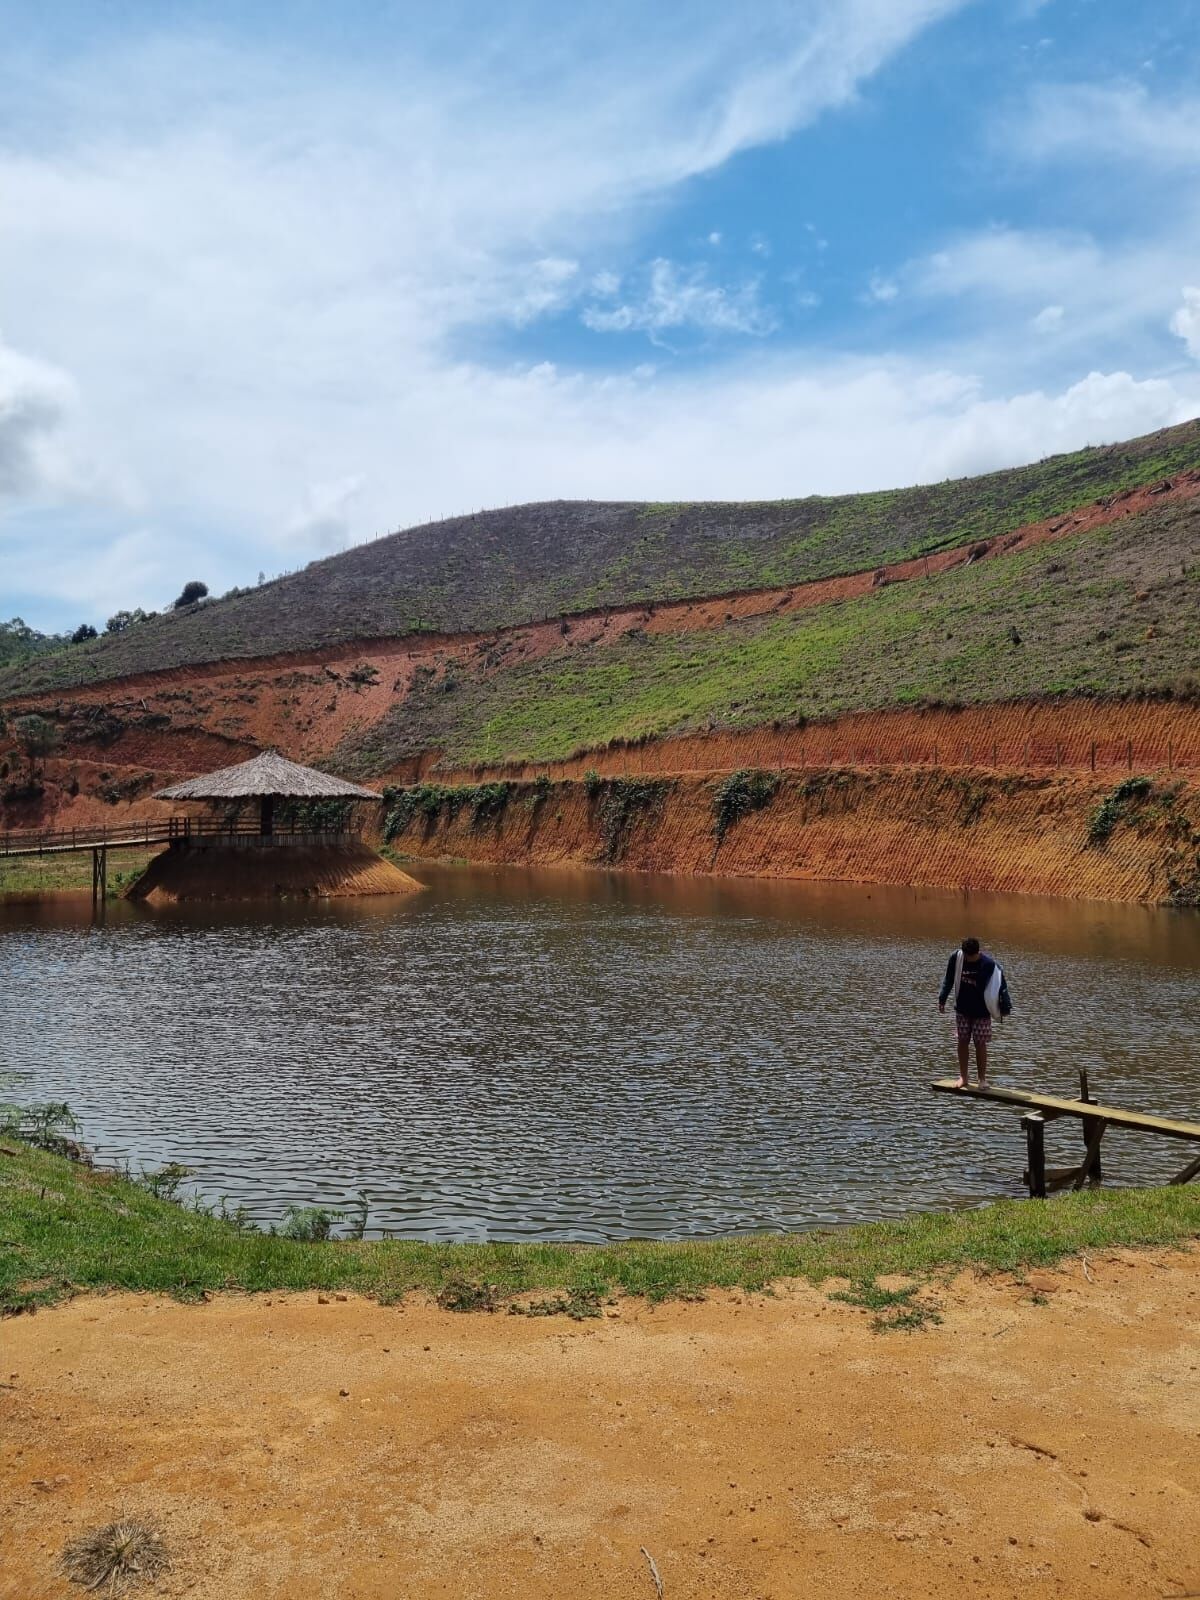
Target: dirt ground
{"points": [[1041, 1441]]}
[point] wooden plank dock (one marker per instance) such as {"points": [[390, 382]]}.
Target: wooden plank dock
{"points": [[1095, 1120]]}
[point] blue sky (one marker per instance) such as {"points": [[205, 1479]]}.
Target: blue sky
{"points": [[274, 279]]}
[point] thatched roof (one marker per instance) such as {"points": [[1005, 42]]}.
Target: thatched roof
{"points": [[267, 774]]}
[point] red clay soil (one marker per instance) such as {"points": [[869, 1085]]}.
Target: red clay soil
{"points": [[1025, 835], [1017, 736], [226, 872], [1040, 1443]]}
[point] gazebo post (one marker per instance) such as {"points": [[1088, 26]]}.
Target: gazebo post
{"points": [[266, 825]]}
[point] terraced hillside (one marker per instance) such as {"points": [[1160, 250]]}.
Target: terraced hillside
{"points": [[1110, 612], [524, 563]]}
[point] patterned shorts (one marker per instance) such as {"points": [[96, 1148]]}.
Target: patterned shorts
{"points": [[977, 1028]]}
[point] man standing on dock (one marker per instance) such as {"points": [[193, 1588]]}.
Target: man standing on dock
{"points": [[980, 993]]}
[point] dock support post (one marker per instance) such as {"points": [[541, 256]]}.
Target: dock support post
{"points": [[1034, 1125], [99, 875], [1088, 1126]]}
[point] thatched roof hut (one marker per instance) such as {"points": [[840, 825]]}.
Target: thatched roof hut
{"points": [[267, 776], [220, 861]]}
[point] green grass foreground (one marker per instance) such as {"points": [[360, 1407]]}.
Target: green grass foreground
{"points": [[65, 1227]]}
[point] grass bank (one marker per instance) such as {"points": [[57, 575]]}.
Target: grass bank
{"points": [[26, 876], [65, 1227]]}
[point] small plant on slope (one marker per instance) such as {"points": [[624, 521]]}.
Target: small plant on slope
{"points": [[1115, 808], [741, 793], [623, 799]]}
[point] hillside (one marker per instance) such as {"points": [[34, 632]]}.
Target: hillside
{"points": [[1114, 611], [524, 563]]}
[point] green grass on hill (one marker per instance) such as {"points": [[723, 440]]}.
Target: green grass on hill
{"points": [[66, 1227], [528, 562], [1115, 611]]}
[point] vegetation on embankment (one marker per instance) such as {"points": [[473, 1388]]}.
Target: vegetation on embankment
{"points": [[1020, 833], [528, 562], [68, 1227], [1112, 611], [31, 876]]}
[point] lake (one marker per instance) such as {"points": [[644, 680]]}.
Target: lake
{"points": [[519, 1055]]}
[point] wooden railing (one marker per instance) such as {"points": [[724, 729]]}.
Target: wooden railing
{"points": [[134, 834]]}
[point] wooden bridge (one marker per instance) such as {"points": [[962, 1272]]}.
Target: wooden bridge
{"points": [[145, 835], [1094, 1121]]}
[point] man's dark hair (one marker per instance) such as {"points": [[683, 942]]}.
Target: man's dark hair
{"points": [[970, 947]]}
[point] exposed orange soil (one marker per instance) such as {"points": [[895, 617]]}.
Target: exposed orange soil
{"points": [[1017, 736], [920, 827], [227, 872], [1042, 1447]]}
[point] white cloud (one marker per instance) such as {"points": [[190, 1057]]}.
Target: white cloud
{"points": [[677, 298], [265, 270], [1186, 321], [1120, 295], [1105, 121], [35, 400], [322, 521], [714, 238], [880, 290], [262, 276]]}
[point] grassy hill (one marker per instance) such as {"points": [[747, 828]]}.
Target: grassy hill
{"points": [[527, 562], [1111, 611]]}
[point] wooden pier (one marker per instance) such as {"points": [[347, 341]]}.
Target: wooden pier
{"points": [[1094, 1119], [177, 830]]}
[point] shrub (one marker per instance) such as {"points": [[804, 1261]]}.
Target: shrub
{"points": [[623, 800], [488, 801], [190, 595], [37, 737], [309, 1224], [741, 793], [1115, 807], [45, 1125]]}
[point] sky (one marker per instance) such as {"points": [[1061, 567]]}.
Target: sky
{"points": [[278, 278]]}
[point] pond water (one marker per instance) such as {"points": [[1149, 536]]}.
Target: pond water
{"points": [[580, 1055]]}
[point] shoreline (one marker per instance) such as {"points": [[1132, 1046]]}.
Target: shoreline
{"points": [[70, 1227]]}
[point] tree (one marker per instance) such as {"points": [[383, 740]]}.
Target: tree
{"points": [[37, 737], [192, 592], [82, 632], [124, 619]]}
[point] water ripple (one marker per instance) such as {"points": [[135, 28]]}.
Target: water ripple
{"points": [[517, 1055]]}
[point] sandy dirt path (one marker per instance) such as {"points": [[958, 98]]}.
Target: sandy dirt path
{"points": [[1042, 1441]]}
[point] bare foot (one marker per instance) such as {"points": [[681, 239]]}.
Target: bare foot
{"points": [[983, 1083], [963, 1083]]}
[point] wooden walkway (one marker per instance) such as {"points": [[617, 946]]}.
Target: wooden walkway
{"points": [[1095, 1120], [141, 835]]}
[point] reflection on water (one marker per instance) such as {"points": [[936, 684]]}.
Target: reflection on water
{"points": [[523, 1054]]}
